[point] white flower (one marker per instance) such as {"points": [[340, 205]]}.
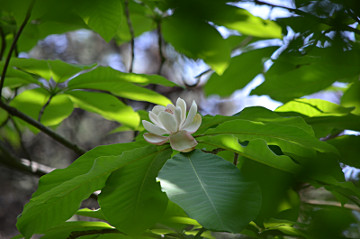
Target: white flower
{"points": [[171, 124]]}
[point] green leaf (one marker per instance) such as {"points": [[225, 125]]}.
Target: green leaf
{"points": [[105, 105], [132, 199], [64, 230], [32, 101], [197, 39], [102, 17], [210, 190], [122, 84], [57, 70], [348, 146], [242, 69], [81, 165], [256, 150], [16, 78], [61, 202], [291, 139], [351, 97], [243, 21], [314, 107], [86, 212]]}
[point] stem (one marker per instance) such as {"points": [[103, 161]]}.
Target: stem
{"points": [[236, 157], [21, 140], [131, 29], [13, 44], [76, 234], [198, 234], [3, 43], [13, 111], [44, 107], [335, 204], [160, 40]]}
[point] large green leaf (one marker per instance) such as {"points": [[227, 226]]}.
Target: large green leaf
{"points": [[247, 24], [57, 70], [242, 69], [351, 97], [32, 101], [105, 105], [132, 199], [256, 150], [122, 84], [295, 76], [61, 202], [210, 190], [102, 17], [291, 139], [16, 78], [349, 148], [197, 39], [81, 165]]}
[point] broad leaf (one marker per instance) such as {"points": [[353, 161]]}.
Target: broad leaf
{"points": [[132, 199], [291, 139], [349, 148], [102, 17], [105, 105], [31, 102], [242, 69], [211, 190], [86, 212], [197, 39], [122, 84], [81, 165], [351, 97], [256, 150], [57, 70]]}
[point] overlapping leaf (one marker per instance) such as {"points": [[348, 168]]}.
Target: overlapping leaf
{"points": [[211, 190]]}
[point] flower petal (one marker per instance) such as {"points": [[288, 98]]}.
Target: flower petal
{"points": [[157, 109], [155, 139], [182, 104], [154, 129], [182, 141], [191, 115], [178, 117], [194, 125], [154, 118], [168, 121]]}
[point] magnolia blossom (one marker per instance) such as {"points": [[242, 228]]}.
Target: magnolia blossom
{"points": [[170, 123]]}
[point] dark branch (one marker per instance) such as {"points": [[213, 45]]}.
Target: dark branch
{"points": [[23, 147], [160, 45], [214, 151], [10, 160], [44, 107], [14, 112], [76, 234], [199, 233], [236, 157], [3, 43], [132, 41], [13, 45]]}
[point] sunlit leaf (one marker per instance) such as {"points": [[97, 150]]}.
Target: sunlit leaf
{"points": [[211, 190], [122, 84], [351, 98], [105, 105]]}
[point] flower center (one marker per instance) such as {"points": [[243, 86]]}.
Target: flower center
{"points": [[169, 111]]}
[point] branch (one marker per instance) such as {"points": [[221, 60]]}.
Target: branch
{"points": [[17, 129], [3, 43], [335, 204], [214, 151], [14, 112], [44, 107], [131, 29], [299, 12], [76, 234], [24, 165], [13, 45], [160, 41], [198, 234], [236, 157]]}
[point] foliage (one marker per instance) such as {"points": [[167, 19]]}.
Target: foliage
{"points": [[249, 170]]}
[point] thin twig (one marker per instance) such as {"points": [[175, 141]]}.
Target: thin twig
{"points": [[198, 234], [160, 45], [24, 165], [334, 204], [299, 12], [132, 41], [214, 151], [3, 43], [22, 144], [44, 107], [76, 234], [236, 157], [13, 111], [13, 45]]}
